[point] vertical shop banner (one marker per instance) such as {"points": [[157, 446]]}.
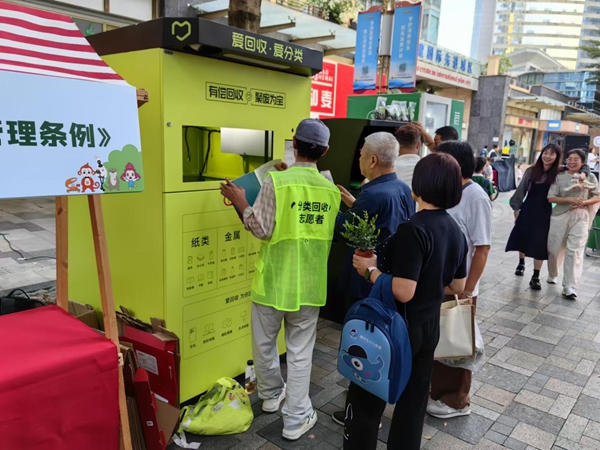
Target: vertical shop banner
{"points": [[405, 45], [368, 30], [323, 89]]}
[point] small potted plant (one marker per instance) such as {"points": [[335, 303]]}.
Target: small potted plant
{"points": [[362, 234]]}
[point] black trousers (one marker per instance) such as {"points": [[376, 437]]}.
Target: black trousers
{"points": [[364, 410]]}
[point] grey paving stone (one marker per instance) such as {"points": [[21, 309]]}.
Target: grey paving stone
{"points": [[529, 345], [495, 437], [535, 417], [534, 400], [508, 421], [470, 428], [310, 440], [502, 429], [533, 436], [552, 321], [574, 428], [563, 375], [563, 387], [443, 441], [502, 378], [588, 407], [550, 394], [513, 444], [495, 394]]}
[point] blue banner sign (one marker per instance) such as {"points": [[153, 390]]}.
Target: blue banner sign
{"points": [[367, 50], [405, 45]]}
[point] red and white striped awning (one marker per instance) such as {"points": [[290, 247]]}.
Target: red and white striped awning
{"points": [[44, 43]]}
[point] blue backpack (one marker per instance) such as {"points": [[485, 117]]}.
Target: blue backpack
{"points": [[375, 348]]}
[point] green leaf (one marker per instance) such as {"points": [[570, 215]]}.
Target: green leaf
{"points": [[361, 233]]}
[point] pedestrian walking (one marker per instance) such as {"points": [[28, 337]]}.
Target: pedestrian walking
{"points": [[532, 212], [574, 193]]}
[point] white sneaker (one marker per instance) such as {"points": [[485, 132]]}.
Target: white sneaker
{"points": [[292, 435], [569, 293], [551, 280], [440, 410], [271, 405]]}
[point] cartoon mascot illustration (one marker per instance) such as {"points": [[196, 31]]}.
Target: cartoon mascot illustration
{"points": [[130, 175], [364, 370], [113, 180], [101, 172], [71, 185], [87, 182]]}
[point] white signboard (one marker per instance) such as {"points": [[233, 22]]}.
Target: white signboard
{"points": [[597, 141], [61, 136]]}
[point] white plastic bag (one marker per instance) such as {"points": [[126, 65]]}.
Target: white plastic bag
{"points": [[472, 364]]}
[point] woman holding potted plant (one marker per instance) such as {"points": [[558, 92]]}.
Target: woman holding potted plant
{"points": [[427, 258]]}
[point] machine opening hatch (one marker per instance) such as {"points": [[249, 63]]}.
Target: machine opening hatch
{"points": [[214, 153]]}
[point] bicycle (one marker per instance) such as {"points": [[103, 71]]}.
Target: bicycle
{"points": [[496, 191]]}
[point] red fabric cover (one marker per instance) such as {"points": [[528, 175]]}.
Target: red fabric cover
{"points": [[58, 384]]}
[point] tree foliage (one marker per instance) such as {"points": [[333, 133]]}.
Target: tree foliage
{"points": [[592, 51], [505, 66]]}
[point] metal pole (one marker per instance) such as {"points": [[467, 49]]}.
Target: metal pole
{"points": [[386, 37]]}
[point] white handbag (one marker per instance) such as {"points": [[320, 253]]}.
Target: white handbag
{"points": [[457, 330]]}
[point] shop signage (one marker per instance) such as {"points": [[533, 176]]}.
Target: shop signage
{"points": [[323, 90], [447, 59], [366, 54], [194, 31], [554, 124], [597, 141], [51, 146], [405, 42], [238, 94], [430, 72], [526, 123]]}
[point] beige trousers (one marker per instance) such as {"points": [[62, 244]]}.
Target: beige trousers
{"points": [[566, 241]]}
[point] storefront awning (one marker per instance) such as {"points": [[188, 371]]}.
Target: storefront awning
{"points": [[302, 28], [536, 103], [585, 117]]}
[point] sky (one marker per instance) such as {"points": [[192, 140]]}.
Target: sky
{"points": [[456, 25]]}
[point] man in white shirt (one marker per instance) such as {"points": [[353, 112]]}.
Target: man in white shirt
{"points": [[450, 386], [592, 159], [409, 138]]}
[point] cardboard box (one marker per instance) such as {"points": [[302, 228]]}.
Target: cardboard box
{"points": [[157, 352], [85, 313], [158, 419]]}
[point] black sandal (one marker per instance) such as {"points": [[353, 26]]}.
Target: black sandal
{"points": [[535, 284], [520, 270]]}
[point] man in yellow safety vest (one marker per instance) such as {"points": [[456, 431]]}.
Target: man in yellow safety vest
{"points": [[294, 214]]}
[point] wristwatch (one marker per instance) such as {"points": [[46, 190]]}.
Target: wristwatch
{"points": [[368, 273]]}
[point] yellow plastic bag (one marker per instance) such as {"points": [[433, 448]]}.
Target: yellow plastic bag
{"points": [[225, 409]]}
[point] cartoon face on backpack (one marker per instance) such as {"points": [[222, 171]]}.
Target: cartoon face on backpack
{"points": [[363, 369]]}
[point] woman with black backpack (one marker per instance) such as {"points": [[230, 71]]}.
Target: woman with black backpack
{"points": [[532, 213], [427, 258]]}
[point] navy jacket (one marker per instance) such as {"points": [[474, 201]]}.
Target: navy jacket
{"points": [[390, 199]]}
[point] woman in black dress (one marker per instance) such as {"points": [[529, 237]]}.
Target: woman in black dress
{"points": [[532, 213]]}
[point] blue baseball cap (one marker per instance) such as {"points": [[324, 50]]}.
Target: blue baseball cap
{"points": [[313, 131]]}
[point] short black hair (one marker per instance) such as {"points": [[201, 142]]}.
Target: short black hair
{"points": [[447, 133], [495, 146], [480, 163], [437, 180], [309, 151], [463, 153], [485, 146]]}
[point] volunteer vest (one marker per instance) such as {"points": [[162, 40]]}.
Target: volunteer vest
{"points": [[291, 270]]}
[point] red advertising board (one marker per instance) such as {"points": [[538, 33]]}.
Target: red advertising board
{"points": [[330, 90]]}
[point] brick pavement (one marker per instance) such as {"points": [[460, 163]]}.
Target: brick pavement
{"points": [[540, 388]]}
